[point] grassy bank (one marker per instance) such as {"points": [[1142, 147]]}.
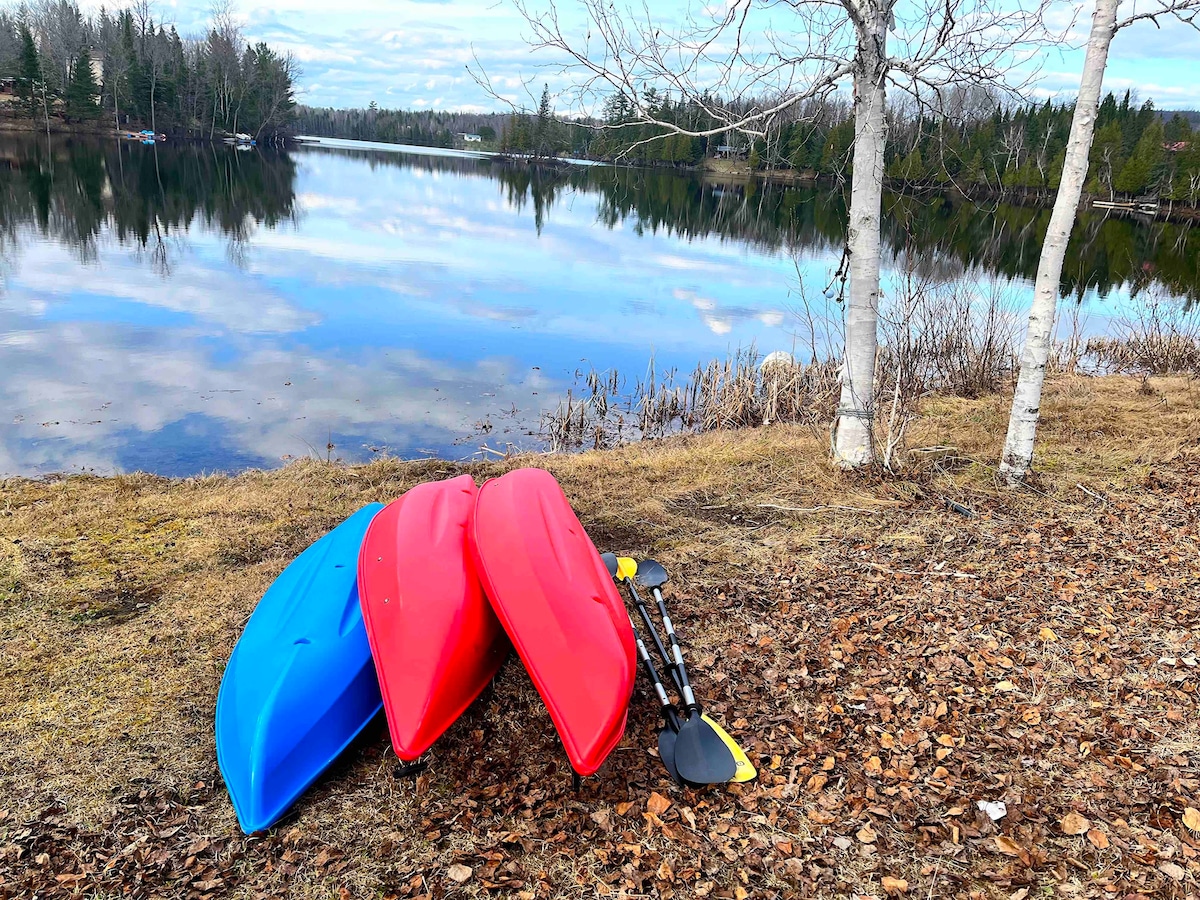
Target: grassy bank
{"points": [[887, 661]]}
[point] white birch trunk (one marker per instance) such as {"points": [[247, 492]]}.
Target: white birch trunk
{"points": [[853, 435], [1023, 421]]}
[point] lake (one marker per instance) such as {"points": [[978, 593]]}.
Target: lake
{"points": [[189, 309]]}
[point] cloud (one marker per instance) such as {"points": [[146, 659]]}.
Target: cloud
{"points": [[49, 274], [718, 324], [357, 51], [772, 318], [98, 395]]}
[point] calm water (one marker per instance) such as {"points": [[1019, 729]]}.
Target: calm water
{"points": [[190, 309]]}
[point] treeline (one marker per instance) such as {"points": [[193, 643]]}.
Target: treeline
{"points": [[1138, 151], [424, 128], [981, 146], [140, 72], [545, 135]]}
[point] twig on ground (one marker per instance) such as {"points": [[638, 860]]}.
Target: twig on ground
{"points": [[808, 509], [1094, 494]]}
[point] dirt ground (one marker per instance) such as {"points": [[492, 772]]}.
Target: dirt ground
{"points": [[889, 661]]}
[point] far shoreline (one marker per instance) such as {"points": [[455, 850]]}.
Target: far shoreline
{"points": [[712, 169]]}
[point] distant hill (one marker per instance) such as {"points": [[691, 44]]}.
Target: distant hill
{"points": [[1192, 115]]}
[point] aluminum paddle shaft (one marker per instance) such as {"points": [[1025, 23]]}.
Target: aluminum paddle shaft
{"points": [[701, 756]]}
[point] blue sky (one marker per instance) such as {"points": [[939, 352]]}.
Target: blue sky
{"points": [[414, 53]]}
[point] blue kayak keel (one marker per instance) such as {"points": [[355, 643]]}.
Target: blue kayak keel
{"points": [[300, 684]]}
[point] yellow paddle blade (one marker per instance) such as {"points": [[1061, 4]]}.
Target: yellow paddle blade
{"points": [[626, 568], [744, 770]]}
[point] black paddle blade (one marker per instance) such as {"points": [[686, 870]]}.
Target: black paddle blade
{"points": [[666, 752], [610, 563], [701, 757], [650, 574]]}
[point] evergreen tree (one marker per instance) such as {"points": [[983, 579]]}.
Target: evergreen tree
{"points": [[29, 72], [82, 89], [974, 173], [542, 137], [1106, 157], [1144, 169], [1177, 129]]}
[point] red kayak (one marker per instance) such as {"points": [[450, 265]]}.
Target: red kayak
{"points": [[560, 608], [434, 638]]}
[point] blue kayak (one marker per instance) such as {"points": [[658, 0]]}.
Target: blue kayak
{"points": [[300, 684]]}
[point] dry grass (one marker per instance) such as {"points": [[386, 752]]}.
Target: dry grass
{"points": [[122, 599]]}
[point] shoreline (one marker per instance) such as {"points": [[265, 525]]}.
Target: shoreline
{"points": [[1170, 211], [709, 169], [59, 128], [1097, 382]]}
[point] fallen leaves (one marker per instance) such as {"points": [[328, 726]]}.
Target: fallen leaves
{"points": [[886, 746], [1073, 823], [1008, 846], [1172, 870], [1191, 818], [657, 804]]}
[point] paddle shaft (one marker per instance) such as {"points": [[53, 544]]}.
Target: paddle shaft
{"points": [[668, 710], [658, 644], [675, 660]]}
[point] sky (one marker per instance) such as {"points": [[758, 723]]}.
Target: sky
{"points": [[413, 54]]}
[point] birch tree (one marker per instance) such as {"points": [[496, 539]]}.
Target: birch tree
{"points": [[1017, 456], [767, 60]]}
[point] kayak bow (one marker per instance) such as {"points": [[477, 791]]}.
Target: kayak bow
{"points": [[434, 637], [299, 685], [561, 610]]}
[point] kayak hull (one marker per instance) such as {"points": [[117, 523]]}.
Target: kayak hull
{"points": [[560, 608], [300, 684], [434, 637]]}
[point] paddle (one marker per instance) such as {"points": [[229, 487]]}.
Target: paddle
{"points": [[743, 769], [701, 757], [651, 574], [671, 723]]}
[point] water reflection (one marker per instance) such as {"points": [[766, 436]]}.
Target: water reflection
{"points": [[78, 190], [947, 234], [184, 309]]}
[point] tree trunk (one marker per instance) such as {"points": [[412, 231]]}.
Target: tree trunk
{"points": [[853, 439], [46, 108], [1023, 420]]}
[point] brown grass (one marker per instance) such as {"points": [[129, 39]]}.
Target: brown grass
{"points": [[121, 599]]}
